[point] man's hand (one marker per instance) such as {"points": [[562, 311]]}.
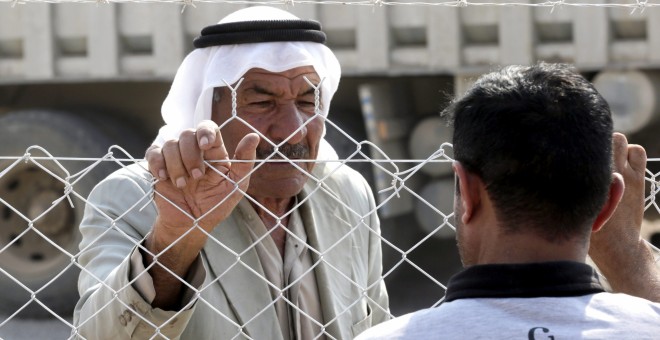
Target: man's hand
{"points": [[617, 248], [192, 191], [195, 189]]}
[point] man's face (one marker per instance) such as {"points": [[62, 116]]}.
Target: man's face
{"points": [[281, 107]]}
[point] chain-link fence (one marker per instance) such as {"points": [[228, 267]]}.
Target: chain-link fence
{"points": [[43, 199], [43, 196]]}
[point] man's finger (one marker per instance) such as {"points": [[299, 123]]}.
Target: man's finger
{"points": [[620, 151], [177, 172], [246, 150], [217, 157], [156, 162], [217, 151], [191, 155], [206, 134]]}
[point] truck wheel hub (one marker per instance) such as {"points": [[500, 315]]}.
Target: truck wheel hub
{"points": [[55, 220]]}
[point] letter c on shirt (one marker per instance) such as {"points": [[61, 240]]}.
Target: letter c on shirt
{"points": [[531, 334]]}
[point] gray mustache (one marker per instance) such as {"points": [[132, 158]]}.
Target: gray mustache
{"points": [[290, 151]]}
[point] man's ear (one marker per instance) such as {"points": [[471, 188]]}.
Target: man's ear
{"points": [[613, 198], [469, 191]]}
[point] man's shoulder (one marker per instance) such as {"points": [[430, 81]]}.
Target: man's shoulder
{"points": [[336, 173], [625, 304], [339, 180], [416, 325], [618, 315], [133, 174], [134, 170]]}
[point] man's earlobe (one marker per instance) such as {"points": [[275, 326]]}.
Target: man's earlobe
{"points": [[614, 196], [467, 198]]}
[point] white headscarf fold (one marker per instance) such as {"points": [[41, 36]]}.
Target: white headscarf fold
{"points": [[190, 98]]}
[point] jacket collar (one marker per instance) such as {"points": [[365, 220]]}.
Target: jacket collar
{"points": [[328, 233], [235, 266]]}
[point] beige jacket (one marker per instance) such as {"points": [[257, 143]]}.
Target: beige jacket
{"points": [[340, 222]]}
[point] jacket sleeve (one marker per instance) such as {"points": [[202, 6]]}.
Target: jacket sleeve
{"points": [[118, 215]]}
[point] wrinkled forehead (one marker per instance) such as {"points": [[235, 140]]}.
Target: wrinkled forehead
{"points": [[299, 74], [303, 80]]}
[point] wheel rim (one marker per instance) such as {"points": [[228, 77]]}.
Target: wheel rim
{"points": [[31, 192]]}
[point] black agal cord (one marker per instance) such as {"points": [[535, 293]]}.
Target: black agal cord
{"points": [[246, 32]]}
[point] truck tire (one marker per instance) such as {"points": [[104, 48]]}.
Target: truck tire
{"points": [[38, 239]]}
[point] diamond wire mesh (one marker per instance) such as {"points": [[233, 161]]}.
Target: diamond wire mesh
{"points": [[116, 228]]}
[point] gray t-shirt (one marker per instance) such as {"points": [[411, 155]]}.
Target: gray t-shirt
{"points": [[553, 301], [593, 316]]}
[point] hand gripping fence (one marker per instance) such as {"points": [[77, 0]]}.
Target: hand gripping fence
{"points": [[30, 224]]}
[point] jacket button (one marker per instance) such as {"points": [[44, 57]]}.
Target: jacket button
{"points": [[122, 320]]}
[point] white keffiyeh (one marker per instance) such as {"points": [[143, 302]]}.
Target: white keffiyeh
{"points": [[190, 98]]}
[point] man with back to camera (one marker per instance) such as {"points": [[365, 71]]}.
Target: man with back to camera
{"points": [[533, 154], [296, 258]]}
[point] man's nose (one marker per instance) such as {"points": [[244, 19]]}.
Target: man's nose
{"points": [[289, 124]]}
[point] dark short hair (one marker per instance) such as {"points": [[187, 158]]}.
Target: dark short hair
{"points": [[540, 138]]}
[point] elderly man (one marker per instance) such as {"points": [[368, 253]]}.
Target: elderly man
{"points": [[284, 249], [533, 149]]}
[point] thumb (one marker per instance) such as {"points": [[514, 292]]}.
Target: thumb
{"points": [[246, 150], [637, 158], [619, 151]]}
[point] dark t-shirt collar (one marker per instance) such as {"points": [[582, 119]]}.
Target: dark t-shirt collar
{"points": [[546, 279]]}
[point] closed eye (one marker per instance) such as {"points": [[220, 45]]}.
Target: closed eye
{"points": [[263, 103], [306, 103]]}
